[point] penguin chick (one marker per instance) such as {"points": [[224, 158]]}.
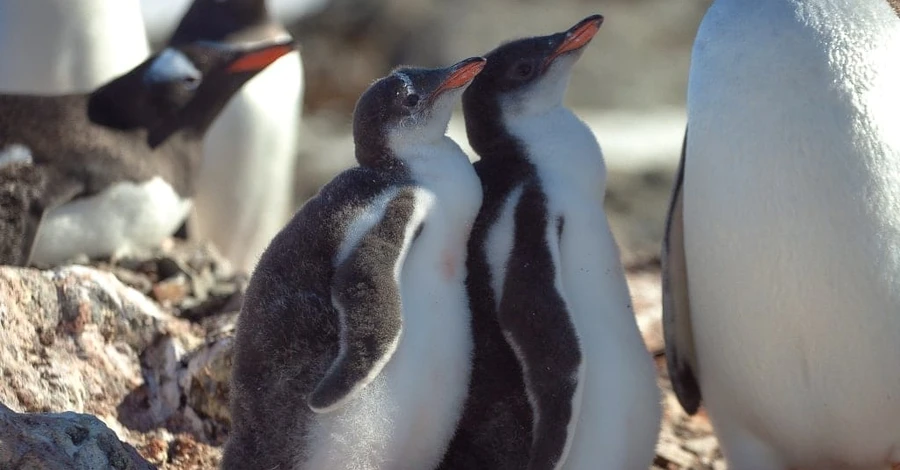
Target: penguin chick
{"points": [[561, 377], [353, 344]]}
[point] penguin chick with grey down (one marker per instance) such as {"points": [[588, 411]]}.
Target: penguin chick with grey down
{"points": [[561, 377], [115, 168], [353, 344]]}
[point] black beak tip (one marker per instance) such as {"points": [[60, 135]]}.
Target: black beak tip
{"points": [[469, 61], [597, 18]]}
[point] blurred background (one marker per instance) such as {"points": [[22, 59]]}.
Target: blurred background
{"points": [[629, 85]]}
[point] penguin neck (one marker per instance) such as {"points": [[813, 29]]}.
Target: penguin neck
{"points": [[560, 146], [488, 135], [175, 146]]}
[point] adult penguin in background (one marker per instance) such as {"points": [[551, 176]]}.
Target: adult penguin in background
{"points": [[245, 185], [782, 257], [561, 377], [353, 344], [113, 170], [161, 17], [68, 46]]}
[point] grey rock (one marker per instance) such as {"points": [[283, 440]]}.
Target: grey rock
{"points": [[69, 338], [61, 441], [188, 391]]}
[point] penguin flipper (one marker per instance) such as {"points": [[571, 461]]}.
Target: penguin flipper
{"points": [[678, 332], [537, 325], [366, 293]]}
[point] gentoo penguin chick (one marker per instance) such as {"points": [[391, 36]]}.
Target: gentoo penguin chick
{"points": [[353, 345], [251, 147], [545, 275], [68, 46], [117, 164], [782, 256]]}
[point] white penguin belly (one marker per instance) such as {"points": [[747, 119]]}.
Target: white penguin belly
{"points": [[124, 217], [792, 232], [245, 188], [405, 418], [66, 46], [619, 413]]}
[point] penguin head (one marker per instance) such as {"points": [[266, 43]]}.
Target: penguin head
{"points": [[528, 76], [183, 87], [230, 21], [409, 107]]}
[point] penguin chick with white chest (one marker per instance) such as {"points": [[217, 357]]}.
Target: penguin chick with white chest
{"points": [[353, 344], [781, 264], [114, 167], [545, 275]]}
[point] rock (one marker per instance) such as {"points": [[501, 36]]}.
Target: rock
{"points": [[64, 441], [70, 338], [171, 291], [189, 392], [206, 380], [706, 447], [88, 339], [669, 452]]}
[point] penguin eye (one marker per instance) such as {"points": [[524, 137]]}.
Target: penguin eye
{"points": [[523, 70], [190, 82], [411, 100]]}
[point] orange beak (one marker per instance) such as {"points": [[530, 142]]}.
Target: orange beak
{"points": [[259, 59], [577, 37], [461, 74]]}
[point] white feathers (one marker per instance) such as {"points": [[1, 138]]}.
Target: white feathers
{"points": [[579, 379], [123, 218], [619, 430], [791, 196], [362, 224], [66, 46], [552, 235], [421, 130], [499, 244], [172, 65], [545, 94], [406, 81], [15, 153], [251, 149]]}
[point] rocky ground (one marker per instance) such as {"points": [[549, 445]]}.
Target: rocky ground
{"points": [[144, 345]]}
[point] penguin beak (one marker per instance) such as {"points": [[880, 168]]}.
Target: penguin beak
{"points": [[460, 75], [258, 57], [576, 37]]}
